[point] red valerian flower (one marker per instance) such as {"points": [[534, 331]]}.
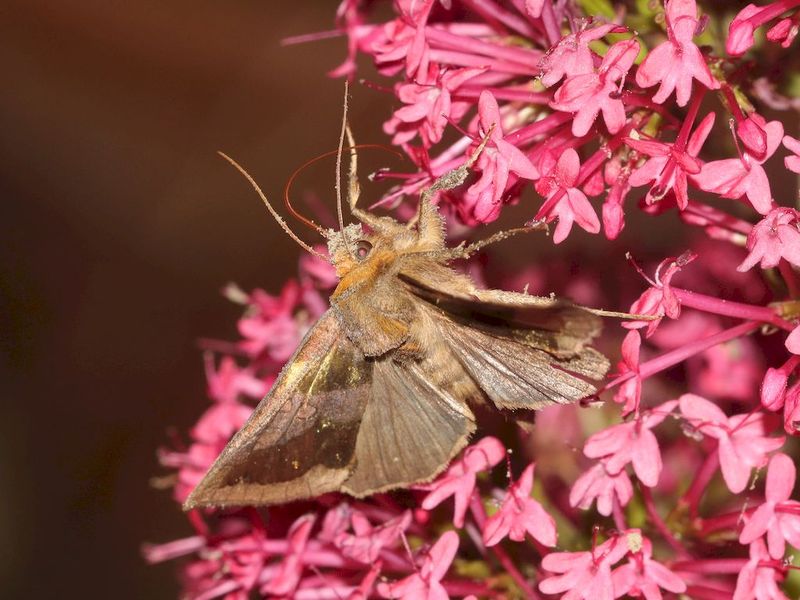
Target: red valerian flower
{"points": [[426, 582], [572, 56], [499, 163], [632, 442], [757, 579], [775, 237], [779, 516], [677, 61], [367, 541], [670, 164], [588, 94], [285, 580], [520, 514], [643, 576], [751, 17], [792, 162], [567, 202], [598, 484], [743, 176], [659, 300], [630, 391], [742, 443], [586, 575], [459, 479]]}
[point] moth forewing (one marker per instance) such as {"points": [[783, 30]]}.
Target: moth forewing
{"points": [[377, 395]]}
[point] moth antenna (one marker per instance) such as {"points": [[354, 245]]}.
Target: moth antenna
{"points": [[338, 185], [272, 211], [308, 163]]}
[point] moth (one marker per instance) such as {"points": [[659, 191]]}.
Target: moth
{"points": [[379, 394]]}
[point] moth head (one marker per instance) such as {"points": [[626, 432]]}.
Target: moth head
{"points": [[356, 247]]}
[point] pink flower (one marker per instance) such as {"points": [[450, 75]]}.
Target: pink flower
{"points": [[290, 569], [775, 237], [742, 444], [520, 514], [618, 177], [270, 329], [659, 300], [793, 341], [598, 484], [585, 575], [567, 203], [643, 576], [402, 43], [429, 105], [779, 516], [751, 17], [426, 582], [670, 164], [459, 479], [773, 386], [366, 541], [571, 56], [677, 61], [632, 442], [630, 391], [758, 578], [784, 31], [499, 162], [744, 176], [792, 162], [588, 94]]}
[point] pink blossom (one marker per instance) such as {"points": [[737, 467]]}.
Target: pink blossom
{"points": [[630, 391], [632, 442], [426, 582], [618, 177], [499, 162], [751, 17], [270, 329], [779, 516], [659, 300], [793, 341], [285, 580], [429, 105], [677, 61], [520, 514], [598, 484], [775, 237], [757, 579], [585, 575], [571, 56], [773, 386], [792, 162], [670, 164], [366, 541], [784, 31], [459, 479], [402, 42], [742, 443], [567, 203], [588, 94], [744, 176], [643, 576]]}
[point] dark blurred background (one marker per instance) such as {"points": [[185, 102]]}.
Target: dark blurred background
{"points": [[119, 226]]}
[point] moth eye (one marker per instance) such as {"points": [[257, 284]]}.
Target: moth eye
{"points": [[363, 248]]}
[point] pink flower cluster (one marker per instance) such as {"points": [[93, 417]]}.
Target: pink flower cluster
{"points": [[684, 482]]}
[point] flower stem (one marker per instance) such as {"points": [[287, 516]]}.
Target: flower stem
{"points": [[727, 308], [479, 514], [659, 524], [695, 492]]}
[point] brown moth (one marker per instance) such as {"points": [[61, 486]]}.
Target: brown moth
{"points": [[378, 394]]}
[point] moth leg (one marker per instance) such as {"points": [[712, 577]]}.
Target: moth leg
{"points": [[427, 216], [470, 249]]}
